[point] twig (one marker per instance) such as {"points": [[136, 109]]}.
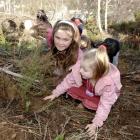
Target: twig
{"points": [[17, 117], [24, 128], [8, 66], [67, 121], [11, 73], [7, 121], [45, 132], [38, 123], [122, 131], [8, 105], [15, 74], [22, 77], [130, 73], [96, 134], [49, 135], [32, 132]]}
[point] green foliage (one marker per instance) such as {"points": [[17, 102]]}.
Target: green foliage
{"points": [[137, 16], [2, 39], [29, 54], [78, 136], [30, 69], [124, 47], [60, 137], [131, 27], [92, 29]]}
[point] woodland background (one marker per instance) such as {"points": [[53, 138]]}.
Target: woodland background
{"points": [[26, 72]]}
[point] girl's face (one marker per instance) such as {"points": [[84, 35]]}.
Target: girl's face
{"points": [[62, 39], [86, 71]]}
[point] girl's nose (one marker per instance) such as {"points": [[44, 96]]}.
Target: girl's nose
{"points": [[80, 70], [61, 41]]}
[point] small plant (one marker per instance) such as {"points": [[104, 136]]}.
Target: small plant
{"points": [[60, 137], [78, 136], [31, 71], [2, 39], [137, 16]]}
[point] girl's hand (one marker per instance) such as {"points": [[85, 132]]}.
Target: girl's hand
{"points": [[50, 97], [91, 129]]}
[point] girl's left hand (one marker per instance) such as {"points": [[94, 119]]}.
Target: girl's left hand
{"points": [[91, 129]]}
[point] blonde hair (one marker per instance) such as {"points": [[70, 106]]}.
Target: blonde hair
{"points": [[97, 60]]}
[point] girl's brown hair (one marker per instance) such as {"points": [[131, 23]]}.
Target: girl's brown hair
{"points": [[68, 57], [97, 59]]}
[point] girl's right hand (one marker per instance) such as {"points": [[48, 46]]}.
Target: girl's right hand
{"points": [[50, 97]]}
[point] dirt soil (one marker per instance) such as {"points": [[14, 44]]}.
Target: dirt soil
{"points": [[47, 120]]}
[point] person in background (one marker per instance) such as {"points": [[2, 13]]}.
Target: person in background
{"points": [[42, 17], [10, 31], [85, 43], [43, 29], [79, 23], [100, 89]]}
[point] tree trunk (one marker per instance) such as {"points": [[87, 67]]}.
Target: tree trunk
{"points": [[106, 13], [99, 17]]}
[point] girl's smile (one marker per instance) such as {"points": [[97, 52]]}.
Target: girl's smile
{"points": [[62, 39]]}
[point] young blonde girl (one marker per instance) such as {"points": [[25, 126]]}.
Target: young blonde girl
{"points": [[101, 86], [100, 89]]}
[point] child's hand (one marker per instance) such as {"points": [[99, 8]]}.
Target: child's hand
{"points": [[51, 97], [91, 129]]}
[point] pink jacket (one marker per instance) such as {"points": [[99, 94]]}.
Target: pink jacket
{"points": [[49, 37], [72, 79], [108, 88]]}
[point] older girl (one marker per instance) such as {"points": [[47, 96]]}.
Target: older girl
{"points": [[67, 54]]}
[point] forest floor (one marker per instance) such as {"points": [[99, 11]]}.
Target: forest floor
{"points": [[48, 120]]}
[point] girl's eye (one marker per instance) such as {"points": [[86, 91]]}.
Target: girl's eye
{"points": [[66, 40], [57, 37]]}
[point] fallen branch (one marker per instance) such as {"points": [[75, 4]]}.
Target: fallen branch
{"points": [[130, 73], [15, 74], [35, 84]]}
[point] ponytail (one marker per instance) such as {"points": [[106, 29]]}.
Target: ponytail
{"points": [[102, 48], [102, 66]]}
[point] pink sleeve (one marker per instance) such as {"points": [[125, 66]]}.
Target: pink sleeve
{"points": [[67, 83], [49, 37], [107, 99], [73, 79]]}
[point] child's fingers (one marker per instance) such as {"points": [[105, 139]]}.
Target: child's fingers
{"points": [[52, 98], [90, 132], [47, 98], [87, 126]]}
